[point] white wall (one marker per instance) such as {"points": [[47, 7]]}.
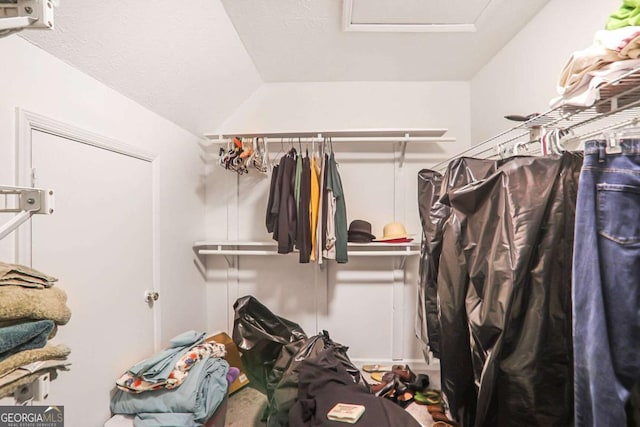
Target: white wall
{"points": [[351, 301], [346, 105], [521, 78], [38, 82]]}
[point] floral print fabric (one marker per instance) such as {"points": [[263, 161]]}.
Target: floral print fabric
{"points": [[135, 384]]}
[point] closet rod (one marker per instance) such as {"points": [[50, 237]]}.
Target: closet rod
{"points": [[618, 103], [350, 133], [267, 253], [307, 139]]}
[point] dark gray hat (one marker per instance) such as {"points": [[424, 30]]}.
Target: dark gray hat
{"points": [[360, 231]]}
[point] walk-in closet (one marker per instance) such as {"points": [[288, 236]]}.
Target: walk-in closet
{"points": [[261, 213]]}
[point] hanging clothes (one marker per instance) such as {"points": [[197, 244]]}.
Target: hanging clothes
{"points": [[456, 364], [515, 244], [334, 184], [433, 214], [286, 228], [328, 210], [272, 210], [606, 295], [304, 225], [297, 180], [274, 218], [314, 206]]}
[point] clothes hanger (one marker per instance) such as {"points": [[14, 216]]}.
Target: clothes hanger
{"points": [[278, 155], [551, 141], [569, 139], [520, 145], [544, 143], [501, 148], [614, 137], [261, 156]]}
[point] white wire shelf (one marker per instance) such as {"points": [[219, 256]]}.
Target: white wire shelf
{"points": [[260, 248], [618, 105], [402, 137], [337, 135]]}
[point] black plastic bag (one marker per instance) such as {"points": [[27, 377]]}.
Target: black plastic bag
{"points": [[260, 336], [284, 393]]}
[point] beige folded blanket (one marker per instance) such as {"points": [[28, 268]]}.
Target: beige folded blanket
{"points": [[36, 304], [16, 274], [48, 352]]}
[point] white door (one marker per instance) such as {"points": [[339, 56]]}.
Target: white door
{"points": [[99, 244]]}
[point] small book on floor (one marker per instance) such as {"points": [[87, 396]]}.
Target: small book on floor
{"points": [[346, 413]]}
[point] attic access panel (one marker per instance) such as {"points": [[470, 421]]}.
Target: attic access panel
{"points": [[413, 15]]}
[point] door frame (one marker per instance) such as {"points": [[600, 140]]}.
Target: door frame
{"points": [[26, 123]]}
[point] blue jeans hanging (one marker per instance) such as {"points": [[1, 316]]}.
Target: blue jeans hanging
{"points": [[606, 284]]}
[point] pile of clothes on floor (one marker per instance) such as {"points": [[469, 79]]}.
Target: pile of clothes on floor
{"points": [[182, 385], [32, 309], [306, 377], [615, 52]]}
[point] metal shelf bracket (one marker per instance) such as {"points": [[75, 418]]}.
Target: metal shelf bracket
{"points": [[26, 202]]}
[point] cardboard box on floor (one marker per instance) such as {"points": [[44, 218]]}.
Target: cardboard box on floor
{"points": [[234, 359]]}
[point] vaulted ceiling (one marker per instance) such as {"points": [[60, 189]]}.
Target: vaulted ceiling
{"points": [[195, 62]]}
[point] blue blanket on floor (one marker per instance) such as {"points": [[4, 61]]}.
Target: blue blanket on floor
{"points": [[193, 403], [24, 336], [158, 367]]}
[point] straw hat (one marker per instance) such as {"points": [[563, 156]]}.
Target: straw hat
{"points": [[394, 232]]}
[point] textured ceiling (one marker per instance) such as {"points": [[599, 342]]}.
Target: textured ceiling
{"points": [[303, 40], [187, 62], [182, 61]]}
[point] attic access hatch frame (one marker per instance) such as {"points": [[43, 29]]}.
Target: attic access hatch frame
{"points": [[16, 15], [349, 26], [29, 201]]}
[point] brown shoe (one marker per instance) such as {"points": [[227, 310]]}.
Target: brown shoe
{"points": [[440, 416], [404, 373], [435, 408]]}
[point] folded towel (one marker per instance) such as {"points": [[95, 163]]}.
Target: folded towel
{"points": [[20, 281], [608, 47], [48, 352], [4, 323], [24, 336], [22, 273], [36, 304], [627, 14]]}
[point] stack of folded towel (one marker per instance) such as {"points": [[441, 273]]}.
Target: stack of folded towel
{"points": [[615, 52], [31, 310], [182, 385]]}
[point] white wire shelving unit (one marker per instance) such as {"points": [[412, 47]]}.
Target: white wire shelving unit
{"points": [[617, 106], [228, 248], [402, 137]]}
